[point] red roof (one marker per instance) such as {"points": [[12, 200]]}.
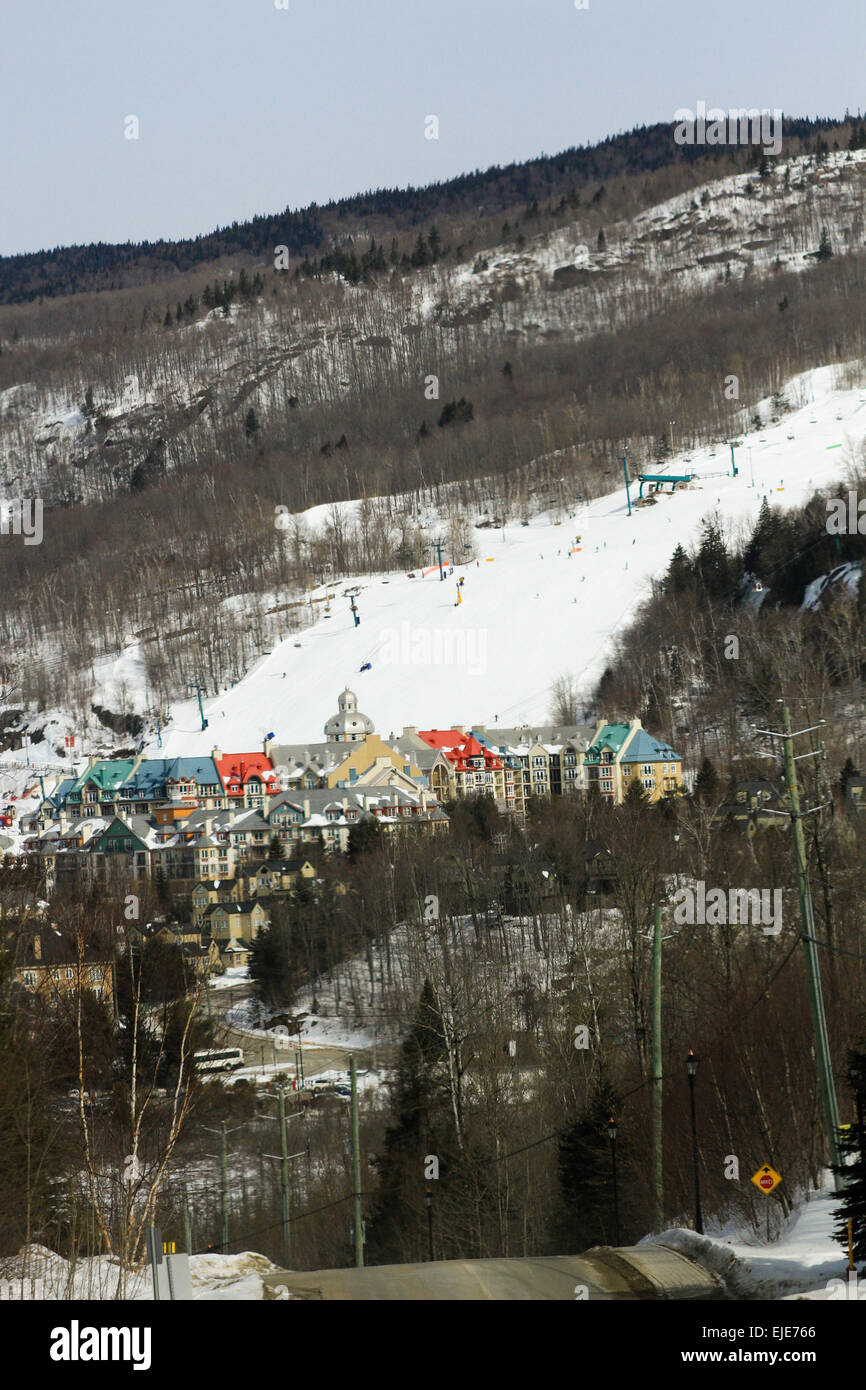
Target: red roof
{"points": [[459, 748], [442, 738], [236, 770]]}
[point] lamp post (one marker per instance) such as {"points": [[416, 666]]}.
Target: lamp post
{"points": [[611, 1134], [691, 1071]]}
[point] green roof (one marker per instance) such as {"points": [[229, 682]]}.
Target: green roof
{"points": [[642, 748], [107, 774]]}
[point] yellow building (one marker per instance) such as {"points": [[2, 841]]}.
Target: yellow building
{"points": [[623, 755]]}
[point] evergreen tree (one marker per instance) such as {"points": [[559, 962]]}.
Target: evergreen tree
{"points": [[713, 563], [680, 575], [272, 967], [420, 1124], [251, 424], [421, 254], [586, 1178], [602, 243], [853, 1168], [764, 551], [364, 836], [707, 781], [276, 850], [825, 249]]}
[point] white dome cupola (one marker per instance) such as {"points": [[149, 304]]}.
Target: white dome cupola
{"points": [[348, 725]]}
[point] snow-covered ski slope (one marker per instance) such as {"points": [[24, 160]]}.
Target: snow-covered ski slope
{"points": [[533, 608]]}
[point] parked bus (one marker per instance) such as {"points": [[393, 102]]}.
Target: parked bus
{"points": [[228, 1059]]}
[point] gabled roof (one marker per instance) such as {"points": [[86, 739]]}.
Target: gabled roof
{"points": [[459, 747], [106, 775], [641, 746], [237, 769], [242, 909], [645, 748]]}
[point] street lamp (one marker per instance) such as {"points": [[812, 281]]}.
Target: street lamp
{"points": [[691, 1072], [611, 1134]]}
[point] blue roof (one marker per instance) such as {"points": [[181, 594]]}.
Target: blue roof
{"points": [[152, 774], [645, 748], [60, 793]]}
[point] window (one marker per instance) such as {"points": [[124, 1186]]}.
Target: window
{"points": [[649, 783], [94, 974], [70, 973], [30, 978], [647, 769]]}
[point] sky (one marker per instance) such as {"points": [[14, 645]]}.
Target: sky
{"points": [[244, 107]]}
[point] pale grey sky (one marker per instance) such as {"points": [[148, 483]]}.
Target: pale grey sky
{"points": [[246, 108]]}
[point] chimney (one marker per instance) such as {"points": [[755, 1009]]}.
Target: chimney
{"points": [[267, 744], [481, 729], [216, 754], [37, 946]]}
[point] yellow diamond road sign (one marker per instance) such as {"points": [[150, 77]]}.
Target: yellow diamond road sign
{"points": [[766, 1178]]}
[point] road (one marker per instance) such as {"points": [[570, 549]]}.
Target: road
{"points": [[265, 1057]]}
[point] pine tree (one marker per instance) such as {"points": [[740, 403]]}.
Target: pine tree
{"points": [[421, 254], [271, 963], [707, 781], [767, 544], [713, 563], [586, 1178], [680, 575], [420, 1124], [825, 249], [853, 1168], [276, 850], [364, 836]]}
